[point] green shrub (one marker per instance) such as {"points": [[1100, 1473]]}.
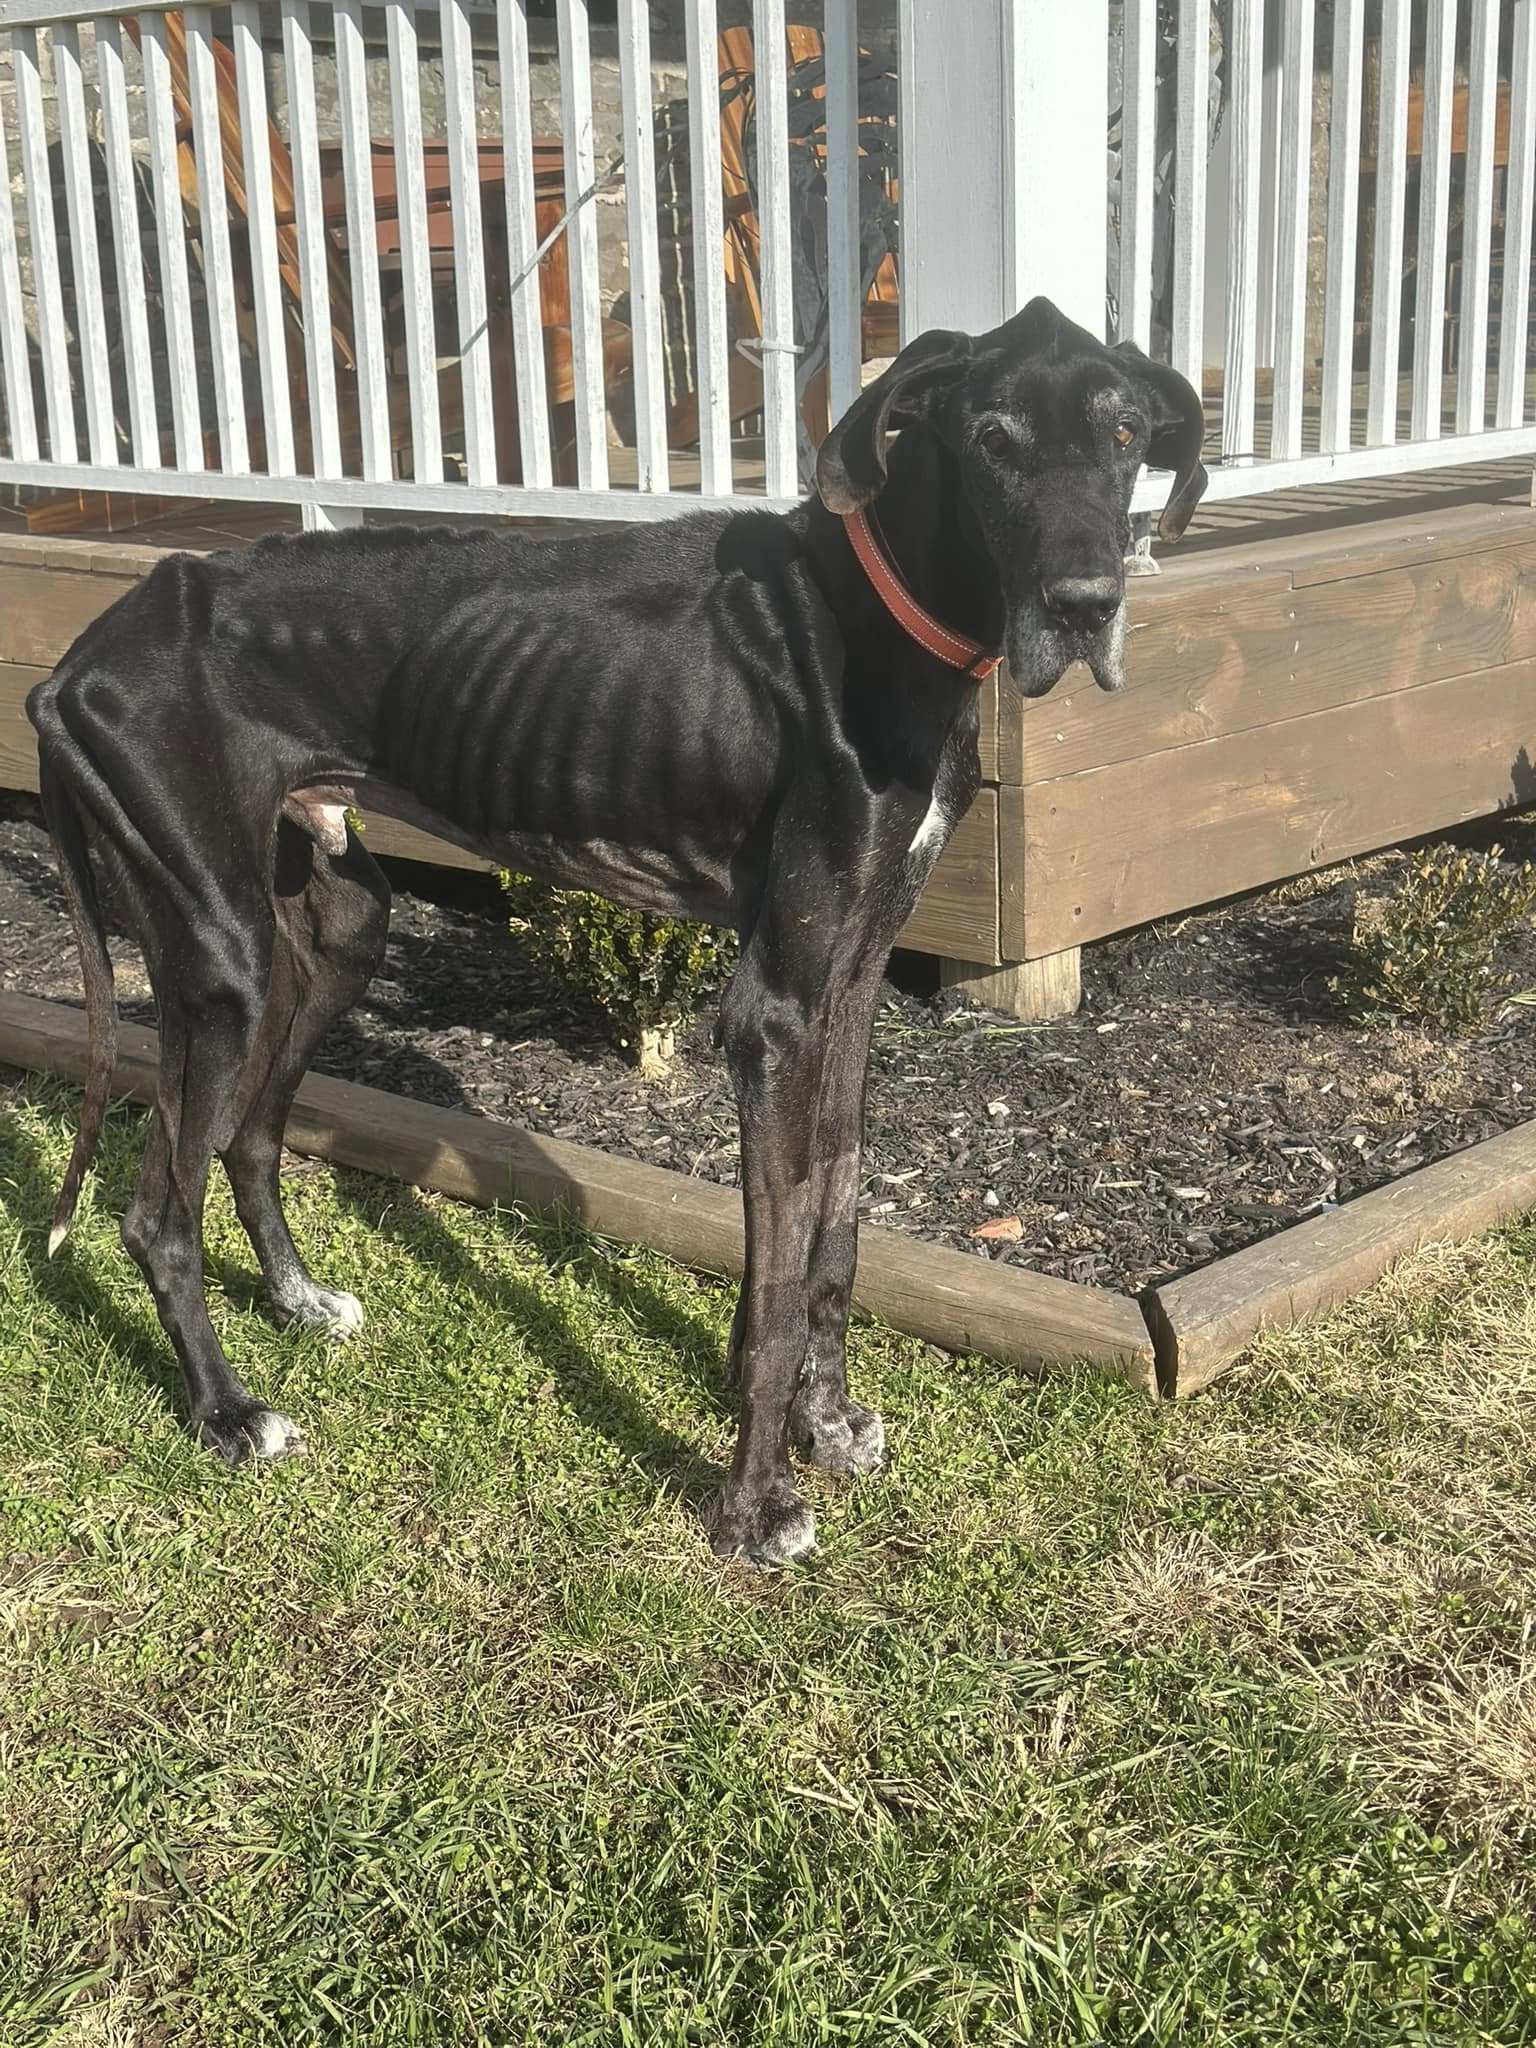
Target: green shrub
{"points": [[649, 973], [1427, 951]]}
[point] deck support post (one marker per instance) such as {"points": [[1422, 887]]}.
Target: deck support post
{"points": [[1037, 991]]}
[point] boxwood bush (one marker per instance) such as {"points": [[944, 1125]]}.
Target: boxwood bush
{"points": [[1429, 950], [647, 972]]}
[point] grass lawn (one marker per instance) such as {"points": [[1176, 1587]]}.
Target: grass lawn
{"points": [[1089, 1722]]}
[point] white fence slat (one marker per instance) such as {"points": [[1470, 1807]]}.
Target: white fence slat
{"points": [[58, 395], [171, 244], [1434, 220], [415, 255], [473, 300], [1343, 224], [261, 230], [1292, 207], [770, 58], [1477, 223], [1515, 299], [522, 244], [845, 279], [15, 362], [85, 256], [1138, 170], [127, 245], [581, 243], [711, 369], [213, 222], [314, 280], [1191, 148], [1243, 224], [644, 245], [362, 238], [1391, 193]]}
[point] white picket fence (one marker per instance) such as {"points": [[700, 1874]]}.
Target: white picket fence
{"points": [[188, 333]]}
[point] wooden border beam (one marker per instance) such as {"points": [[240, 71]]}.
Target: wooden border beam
{"points": [[961, 1303]]}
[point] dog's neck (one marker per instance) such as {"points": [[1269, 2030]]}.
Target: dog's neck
{"points": [[932, 542]]}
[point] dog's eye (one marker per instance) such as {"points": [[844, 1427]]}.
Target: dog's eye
{"points": [[1125, 433], [996, 440]]}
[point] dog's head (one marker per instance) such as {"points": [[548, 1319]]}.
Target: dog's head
{"points": [[1047, 429]]}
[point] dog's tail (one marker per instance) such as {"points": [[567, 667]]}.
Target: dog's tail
{"points": [[67, 824]]}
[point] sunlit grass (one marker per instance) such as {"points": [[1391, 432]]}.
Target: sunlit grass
{"points": [[1089, 1722]]}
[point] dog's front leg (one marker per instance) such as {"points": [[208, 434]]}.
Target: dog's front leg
{"points": [[826, 1426], [775, 1046]]}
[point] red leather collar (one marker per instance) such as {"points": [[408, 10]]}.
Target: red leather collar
{"points": [[956, 650]]}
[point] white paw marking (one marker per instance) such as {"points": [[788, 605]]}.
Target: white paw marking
{"points": [[274, 1436]]}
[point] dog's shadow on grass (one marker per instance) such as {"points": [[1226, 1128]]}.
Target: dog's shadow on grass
{"points": [[581, 1380], [66, 1283]]}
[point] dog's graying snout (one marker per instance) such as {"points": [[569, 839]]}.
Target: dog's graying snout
{"points": [[1085, 603]]}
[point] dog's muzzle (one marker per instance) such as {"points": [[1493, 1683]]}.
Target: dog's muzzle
{"points": [[1042, 646]]}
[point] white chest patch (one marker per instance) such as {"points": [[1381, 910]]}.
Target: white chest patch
{"points": [[929, 836]]}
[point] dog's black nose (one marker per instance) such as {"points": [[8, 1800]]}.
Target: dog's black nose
{"points": [[1083, 602]]}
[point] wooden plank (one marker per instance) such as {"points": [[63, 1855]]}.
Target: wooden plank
{"points": [[171, 240], [18, 742], [43, 612], [956, 1300], [304, 151], [1205, 1321], [1233, 659], [1117, 846], [845, 266]]}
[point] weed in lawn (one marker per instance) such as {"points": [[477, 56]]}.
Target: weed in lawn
{"points": [[1091, 1722]]}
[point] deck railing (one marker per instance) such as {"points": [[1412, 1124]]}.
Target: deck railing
{"points": [[422, 254]]}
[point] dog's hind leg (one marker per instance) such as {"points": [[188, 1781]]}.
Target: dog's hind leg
{"points": [[332, 914], [210, 975]]}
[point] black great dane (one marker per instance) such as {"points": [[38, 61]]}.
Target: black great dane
{"points": [[767, 722]]}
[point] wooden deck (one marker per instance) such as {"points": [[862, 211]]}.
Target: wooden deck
{"points": [[1313, 675]]}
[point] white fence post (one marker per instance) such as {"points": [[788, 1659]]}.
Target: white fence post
{"points": [[1004, 153]]}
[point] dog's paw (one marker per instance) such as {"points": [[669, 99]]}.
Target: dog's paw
{"points": [[320, 1308], [770, 1530], [836, 1434], [249, 1434]]}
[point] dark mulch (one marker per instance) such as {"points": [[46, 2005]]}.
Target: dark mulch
{"points": [[1207, 1095]]}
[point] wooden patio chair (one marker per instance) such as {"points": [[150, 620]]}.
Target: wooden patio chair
{"points": [[743, 250]]}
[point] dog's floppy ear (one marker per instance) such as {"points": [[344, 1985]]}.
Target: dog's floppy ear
{"points": [[850, 467], [1178, 428]]}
